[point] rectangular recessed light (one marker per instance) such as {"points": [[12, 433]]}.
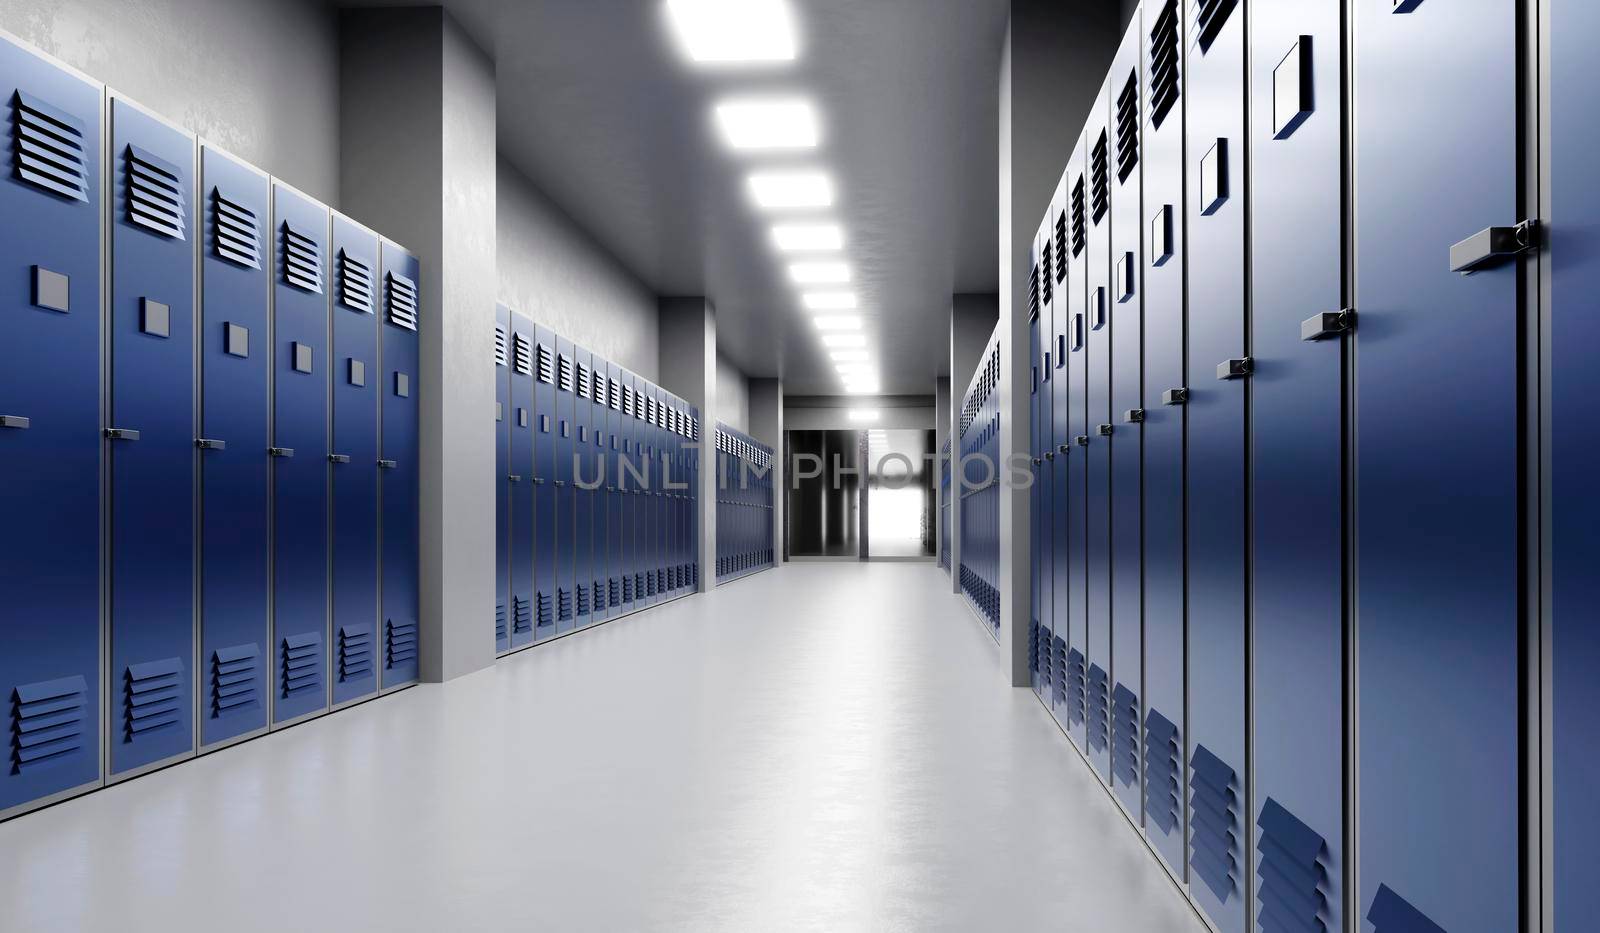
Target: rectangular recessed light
{"points": [[808, 238], [838, 322], [843, 340], [767, 124], [829, 301], [780, 190], [733, 31], [865, 414], [861, 388], [855, 368], [817, 273], [848, 356]]}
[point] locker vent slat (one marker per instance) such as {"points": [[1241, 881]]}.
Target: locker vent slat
{"points": [[1164, 63], [1080, 226], [522, 354], [583, 381], [402, 301], [546, 364], [583, 599], [501, 355], [1209, 18], [399, 642], [521, 615], [153, 192], [1036, 665], [1056, 658], [234, 233], [47, 148], [616, 396], [1099, 723], [499, 622], [1128, 128], [1125, 735], [1076, 710], [563, 604], [302, 260], [1033, 291], [598, 386], [1061, 246], [1293, 889], [46, 722], [235, 676], [1391, 913], [299, 664], [1213, 822], [152, 697], [355, 653], [545, 617], [355, 283], [1100, 193], [1163, 768], [564, 372], [1046, 283]]}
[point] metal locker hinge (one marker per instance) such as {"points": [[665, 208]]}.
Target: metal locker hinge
{"points": [[1174, 396], [338, 458], [1235, 369], [210, 443], [514, 478], [15, 421], [284, 452], [1133, 415], [1105, 430], [1083, 440], [1492, 246], [388, 465], [121, 434], [1327, 324]]}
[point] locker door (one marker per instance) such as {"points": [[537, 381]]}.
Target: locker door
{"points": [[696, 464], [49, 431], [544, 477], [1436, 496], [1297, 446], [1057, 443], [658, 494], [504, 417], [1220, 828], [354, 460], [565, 435], [1074, 508], [1574, 277], [235, 428], [1125, 304], [600, 469], [1165, 800], [627, 487], [299, 452], [151, 431], [583, 536], [520, 486], [1097, 360], [614, 503], [1036, 505], [397, 481]]}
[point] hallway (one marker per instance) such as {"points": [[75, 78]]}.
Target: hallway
{"points": [[827, 746]]}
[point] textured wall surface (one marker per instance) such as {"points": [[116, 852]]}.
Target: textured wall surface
{"points": [[554, 272], [733, 395], [259, 79]]}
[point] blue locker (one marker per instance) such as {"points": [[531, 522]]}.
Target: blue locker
{"points": [[622, 454], [1058, 452], [1574, 274], [674, 496], [1165, 756], [1124, 303], [1036, 505], [235, 430], [519, 482], [1098, 427], [1438, 544], [693, 496], [353, 641], [583, 510], [613, 454], [504, 417], [658, 504], [50, 671], [151, 437], [563, 434], [1297, 449], [544, 477], [1073, 505], [1219, 824], [398, 487], [638, 466], [601, 471], [299, 456]]}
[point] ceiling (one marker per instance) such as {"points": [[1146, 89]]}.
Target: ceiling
{"points": [[597, 106]]}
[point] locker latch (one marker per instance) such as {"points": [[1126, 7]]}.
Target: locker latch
{"points": [[15, 421], [1049, 455], [122, 434], [1083, 440], [1064, 450], [388, 465], [538, 481], [561, 482], [210, 443], [1492, 246], [1105, 430], [1174, 396], [338, 458], [1235, 369], [1327, 324], [284, 452], [1133, 416], [514, 478]]}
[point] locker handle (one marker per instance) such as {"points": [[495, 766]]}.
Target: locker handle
{"points": [[515, 478], [1133, 416], [15, 421], [1105, 430], [1083, 440], [1327, 324], [561, 482], [338, 458], [210, 443], [1492, 246], [283, 452], [1049, 455], [388, 465], [122, 434], [1063, 450], [1235, 368], [538, 481], [1037, 461], [1175, 396]]}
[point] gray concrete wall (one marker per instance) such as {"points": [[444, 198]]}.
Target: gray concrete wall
{"points": [[733, 395], [688, 334], [259, 79], [767, 426], [553, 271]]}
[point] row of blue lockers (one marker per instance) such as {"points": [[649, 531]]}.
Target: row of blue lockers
{"points": [[1286, 369], [744, 504], [978, 433], [208, 438], [597, 486]]}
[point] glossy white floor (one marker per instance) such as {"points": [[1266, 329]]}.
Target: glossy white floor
{"points": [[827, 746]]}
